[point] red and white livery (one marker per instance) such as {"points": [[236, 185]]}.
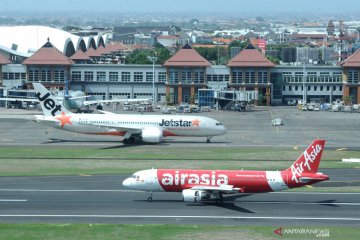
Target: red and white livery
{"points": [[200, 185]]}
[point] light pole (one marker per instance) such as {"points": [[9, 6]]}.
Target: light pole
{"points": [[153, 59], [304, 77]]}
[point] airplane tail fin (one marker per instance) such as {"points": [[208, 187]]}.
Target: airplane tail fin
{"points": [[49, 104], [309, 161]]}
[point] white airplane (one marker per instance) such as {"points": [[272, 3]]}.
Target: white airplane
{"points": [[148, 128], [204, 185]]}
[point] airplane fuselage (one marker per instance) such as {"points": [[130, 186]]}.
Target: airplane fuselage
{"points": [[177, 180], [171, 125]]}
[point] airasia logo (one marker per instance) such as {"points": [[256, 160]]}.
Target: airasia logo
{"points": [[298, 168], [176, 179]]}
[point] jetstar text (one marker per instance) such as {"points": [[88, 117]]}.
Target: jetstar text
{"points": [[49, 103], [175, 123]]}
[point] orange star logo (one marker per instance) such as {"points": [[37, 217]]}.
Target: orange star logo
{"points": [[63, 119], [195, 122]]}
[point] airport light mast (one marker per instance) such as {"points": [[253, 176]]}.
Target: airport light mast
{"points": [[304, 77], [153, 59]]}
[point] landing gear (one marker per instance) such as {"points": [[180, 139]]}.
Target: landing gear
{"points": [[219, 199], [150, 198], [130, 140], [208, 139]]}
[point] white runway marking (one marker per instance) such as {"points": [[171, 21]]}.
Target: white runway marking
{"points": [[13, 200], [179, 216], [67, 190]]}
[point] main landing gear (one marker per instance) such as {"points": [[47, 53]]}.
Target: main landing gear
{"points": [[130, 140], [220, 199], [208, 139]]}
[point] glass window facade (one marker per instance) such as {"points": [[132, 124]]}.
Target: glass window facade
{"points": [[206, 98]]}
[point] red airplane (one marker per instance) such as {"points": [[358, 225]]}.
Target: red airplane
{"points": [[204, 185]]}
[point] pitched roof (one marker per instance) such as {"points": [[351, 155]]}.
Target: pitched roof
{"points": [[353, 60], [4, 60], [250, 57], [101, 50], [115, 47], [48, 55], [80, 55], [187, 57], [92, 53]]}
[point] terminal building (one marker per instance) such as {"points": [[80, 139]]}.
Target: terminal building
{"points": [[183, 76]]}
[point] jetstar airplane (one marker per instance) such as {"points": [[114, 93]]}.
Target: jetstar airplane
{"points": [[148, 128], [204, 185]]}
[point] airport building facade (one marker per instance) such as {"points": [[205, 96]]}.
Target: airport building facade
{"points": [[184, 74]]}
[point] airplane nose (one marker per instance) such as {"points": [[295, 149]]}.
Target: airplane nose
{"points": [[127, 182]]}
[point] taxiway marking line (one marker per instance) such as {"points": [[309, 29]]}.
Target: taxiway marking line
{"points": [[177, 216]]}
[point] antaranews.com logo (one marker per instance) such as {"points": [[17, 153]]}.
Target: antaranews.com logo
{"points": [[310, 232]]}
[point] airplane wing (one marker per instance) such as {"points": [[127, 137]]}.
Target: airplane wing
{"points": [[131, 130], [133, 100], [226, 189]]}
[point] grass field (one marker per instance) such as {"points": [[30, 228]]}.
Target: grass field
{"points": [[168, 232], [73, 161]]}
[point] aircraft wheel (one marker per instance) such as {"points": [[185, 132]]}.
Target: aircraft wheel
{"points": [[132, 140], [149, 199], [207, 140], [126, 141]]}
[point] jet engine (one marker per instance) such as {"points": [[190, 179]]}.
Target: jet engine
{"points": [[191, 195], [152, 135]]}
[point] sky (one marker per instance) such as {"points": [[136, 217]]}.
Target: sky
{"points": [[166, 6]]}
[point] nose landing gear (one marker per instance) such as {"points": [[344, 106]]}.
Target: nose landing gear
{"points": [[150, 198]]}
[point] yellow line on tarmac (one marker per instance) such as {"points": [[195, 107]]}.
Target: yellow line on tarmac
{"points": [[340, 149], [309, 186], [84, 175]]}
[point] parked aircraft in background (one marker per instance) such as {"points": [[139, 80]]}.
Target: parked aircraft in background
{"points": [[75, 101], [203, 185], [147, 128]]}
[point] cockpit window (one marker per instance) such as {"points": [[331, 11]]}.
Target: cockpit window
{"points": [[218, 124]]}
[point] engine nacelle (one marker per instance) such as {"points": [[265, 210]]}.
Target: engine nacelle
{"points": [[152, 135], [191, 195]]}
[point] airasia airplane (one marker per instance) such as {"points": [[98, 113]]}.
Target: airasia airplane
{"points": [[203, 185], [147, 128]]}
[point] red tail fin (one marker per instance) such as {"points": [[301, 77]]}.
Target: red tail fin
{"points": [[309, 161]]}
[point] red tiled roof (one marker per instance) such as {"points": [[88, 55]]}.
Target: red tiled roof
{"points": [[92, 53], [101, 50], [115, 47], [352, 61], [48, 55], [4, 60], [250, 58], [187, 57], [80, 55]]}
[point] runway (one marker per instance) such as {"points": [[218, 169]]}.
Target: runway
{"points": [[102, 199]]}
